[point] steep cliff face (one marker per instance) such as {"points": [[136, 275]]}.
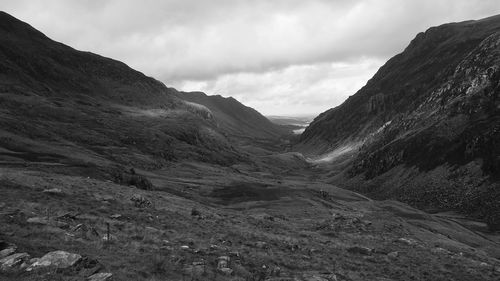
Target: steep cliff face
{"points": [[429, 123]]}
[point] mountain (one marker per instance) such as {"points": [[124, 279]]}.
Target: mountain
{"points": [[105, 172], [235, 118], [426, 128], [85, 110]]}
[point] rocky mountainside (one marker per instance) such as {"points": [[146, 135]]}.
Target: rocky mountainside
{"points": [[235, 118], [426, 128]]}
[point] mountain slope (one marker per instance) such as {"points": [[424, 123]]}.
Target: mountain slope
{"points": [[86, 110], [236, 118], [427, 125]]}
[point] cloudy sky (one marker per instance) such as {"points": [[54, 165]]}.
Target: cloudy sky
{"points": [[282, 57]]}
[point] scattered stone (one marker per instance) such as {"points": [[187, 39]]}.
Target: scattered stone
{"points": [[185, 247], [38, 220], [226, 271], [439, 250], [393, 255], [7, 252], [315, 278], [195, 212], [104, 197], [57, 259], [223, 262], [195, 270], [234, 254], [275, 271], [102, 276], [483, 264], [261, 245], [55, 191], [115, 216], [149, 230], [12, 261], [140, 201], [407, 241], [108, 239], [360, 250]]}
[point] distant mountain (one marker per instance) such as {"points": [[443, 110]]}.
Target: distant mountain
{"points": [[79, 109], [426, 128], [235, 118]]}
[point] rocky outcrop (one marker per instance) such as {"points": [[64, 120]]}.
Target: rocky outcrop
{"points": [[429, 123], [56, 259]]}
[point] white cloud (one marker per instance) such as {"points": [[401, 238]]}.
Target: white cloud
{"points": [[283, 54]]}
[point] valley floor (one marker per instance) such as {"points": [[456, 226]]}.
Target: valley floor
{"points": [[262, 226]]}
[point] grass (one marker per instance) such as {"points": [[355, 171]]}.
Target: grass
{"points": [[147, 242]]}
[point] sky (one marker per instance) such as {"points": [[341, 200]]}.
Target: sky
{"points": [[281, 57]]}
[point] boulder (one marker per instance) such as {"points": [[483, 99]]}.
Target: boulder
{"points": [[102, 276], [226, 271], [7, 252], [407, 241], [393, 255], [261, 245], [360, 250], [12, 261], [140, 201], [57, 259], [195, 270], [55, 191], [223, 262]]}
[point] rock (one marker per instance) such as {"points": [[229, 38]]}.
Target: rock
{"points": [[195, 212], [315, 278], [7, 252], [55, 191], [102, 276], [407, 241], [393, 255], [108, 239], [439, 250], [12, 261], [234, 254], [195, 270], [105, 197], [261, 245], [185, 247], [223, 262], [140, 201], [57, 259], [360, 250], [115, 216], [226, 271], [38, 220]]}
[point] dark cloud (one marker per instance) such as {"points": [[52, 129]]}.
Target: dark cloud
{"points": [[264, 52]]}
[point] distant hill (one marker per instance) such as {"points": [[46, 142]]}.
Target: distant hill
{"points": [[235, 118], [426, 128]]}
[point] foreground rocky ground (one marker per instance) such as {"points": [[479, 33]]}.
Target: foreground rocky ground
{"points": [[204, 222]]}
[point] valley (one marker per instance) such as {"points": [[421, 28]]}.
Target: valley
{"points": [[138, 181]]}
